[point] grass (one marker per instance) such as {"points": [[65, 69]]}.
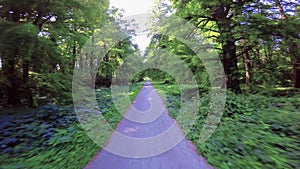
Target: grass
{"points": [[256, 131]]}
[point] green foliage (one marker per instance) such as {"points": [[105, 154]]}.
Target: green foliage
{"points": [[259, 37], [155, 75], [40, 36], [41, 40], [56, 86], [51, 136], [261, 132], [48, 136], [255, 132]]}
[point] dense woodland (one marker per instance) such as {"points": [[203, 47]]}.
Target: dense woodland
{"points": [[258, 43]]}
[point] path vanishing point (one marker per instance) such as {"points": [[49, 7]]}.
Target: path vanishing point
{"points": [[147, 118]]}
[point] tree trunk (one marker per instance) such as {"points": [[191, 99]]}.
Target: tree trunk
{"points": [[92, 71], [13, 97], [247, 67], [294, 51], [296, 75], [229, 60], [247, 62], [74, 52], [27, 91], [295, 54], [108, 80], [12, 87], [92, 66], [281, 10]]}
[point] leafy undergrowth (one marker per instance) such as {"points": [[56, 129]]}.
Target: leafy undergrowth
{"points": [[255, 132], [51, 136]]}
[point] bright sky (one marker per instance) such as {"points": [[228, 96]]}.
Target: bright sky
{"points": [[132, 8]]}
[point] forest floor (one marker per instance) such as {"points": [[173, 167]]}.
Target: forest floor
{"points": [[256, 131]]}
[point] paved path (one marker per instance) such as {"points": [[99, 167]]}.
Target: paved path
{"points": [[147, 119]]}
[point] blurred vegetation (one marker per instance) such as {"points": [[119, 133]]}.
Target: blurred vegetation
{"points": [[41, 46], [42, 43], [255, 132]]}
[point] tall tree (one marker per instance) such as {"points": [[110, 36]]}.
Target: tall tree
{"points": [[217, 16], [290, 26], [35, 32], [240, 25]]}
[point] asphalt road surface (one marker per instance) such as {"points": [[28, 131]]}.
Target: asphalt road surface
{"points": [[148, 138]]}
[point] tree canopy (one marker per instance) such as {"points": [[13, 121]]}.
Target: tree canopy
{"points": [[258, 43]]}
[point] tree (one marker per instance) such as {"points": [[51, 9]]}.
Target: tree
{"points": [[119, 48], [37, 38], [289, 26], [219, 17], [239, 26]]}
